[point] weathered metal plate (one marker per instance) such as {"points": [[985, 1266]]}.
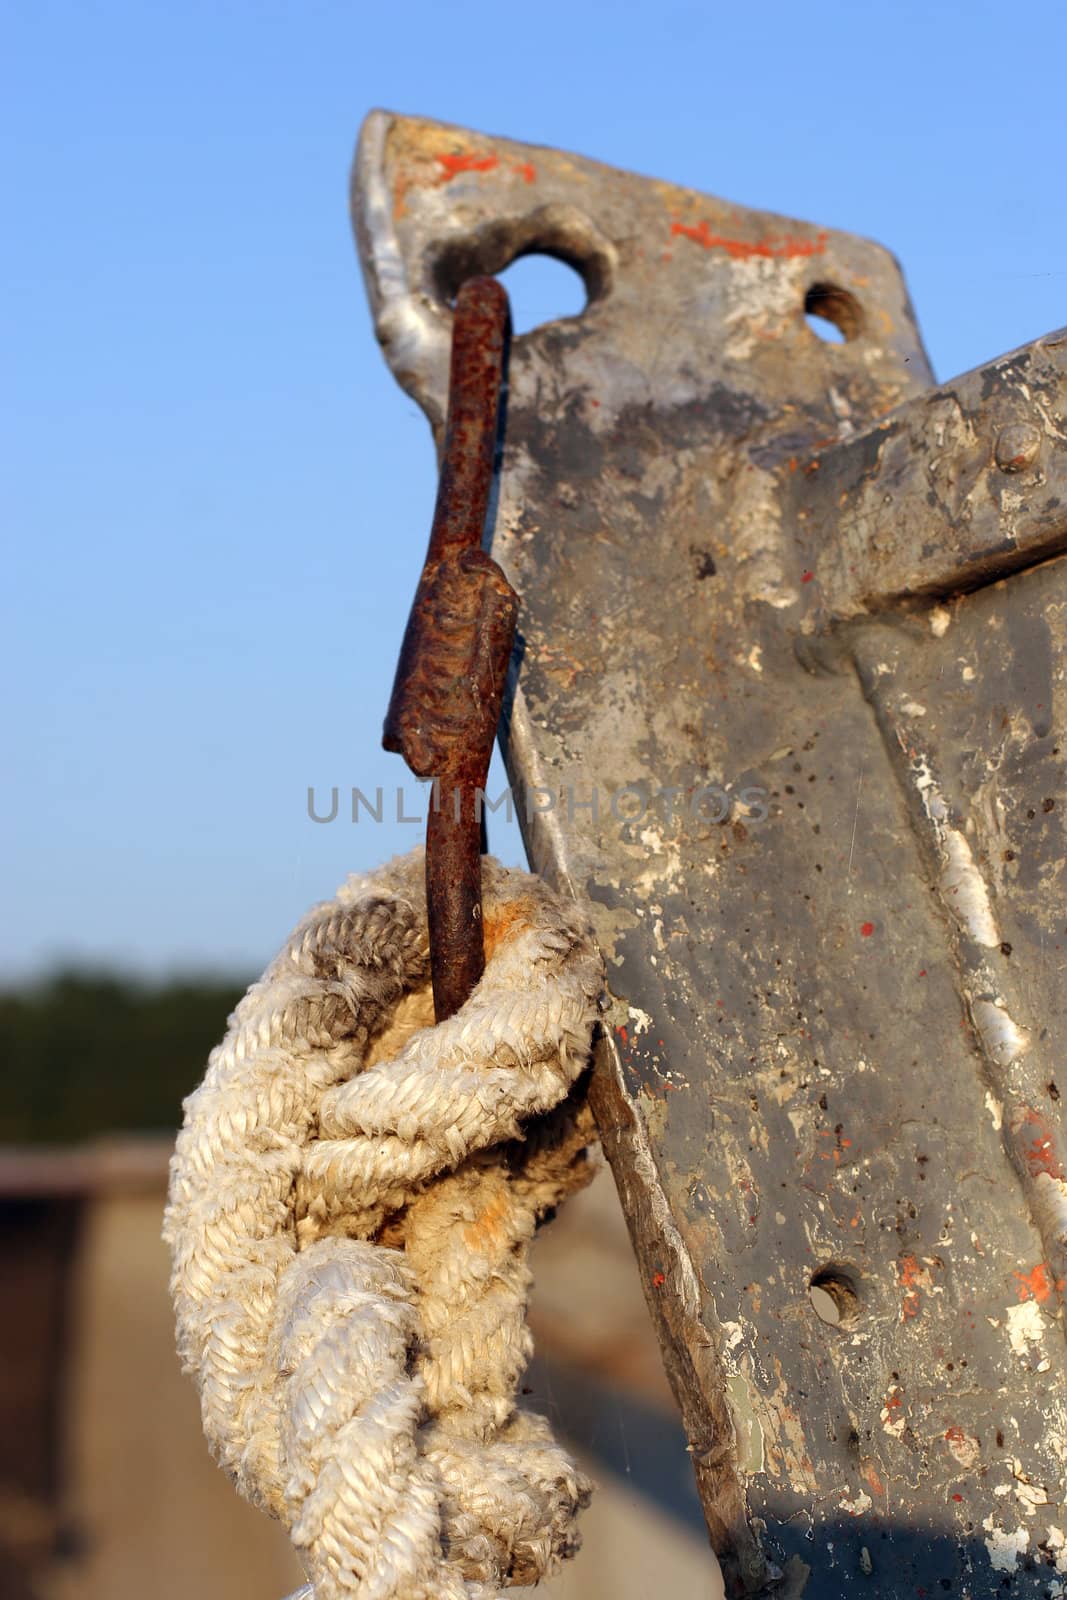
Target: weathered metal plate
{"points": [[817, 1065], [946, 494]]}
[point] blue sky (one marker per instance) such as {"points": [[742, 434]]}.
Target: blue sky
{"points": [[216, 499]]}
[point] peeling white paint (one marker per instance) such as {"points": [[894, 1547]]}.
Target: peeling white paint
{"points": [[892, 1415], [1029, 1494], [744, 1400], [965, 890], [734, 1333], [963, 1447], [1003, 1040], [1049, 1201], [1005, 1545], [962, 884], [1056, 1541], [996, 1116], [755, 516], [757, 306], [641, 1020], [1026, 1326], [940, 617], [857, 1507]]}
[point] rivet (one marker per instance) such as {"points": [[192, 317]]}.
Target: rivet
{"points": [[1017, 446]]}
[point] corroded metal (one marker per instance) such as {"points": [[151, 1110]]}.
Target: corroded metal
{"points": [[965, 484], [776, 720], [449, 685]]}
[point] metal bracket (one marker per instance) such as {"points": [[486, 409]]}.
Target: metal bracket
{"points": [[814, 798]]}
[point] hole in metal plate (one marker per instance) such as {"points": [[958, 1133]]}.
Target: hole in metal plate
{"points": [[563, 263], [832, 313], [834, 1296], [542, 288]]}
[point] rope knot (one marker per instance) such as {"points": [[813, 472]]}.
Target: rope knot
{"points": [[352, 1197]]}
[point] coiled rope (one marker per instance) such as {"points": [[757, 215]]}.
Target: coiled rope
{"points": [[351, 1201]]}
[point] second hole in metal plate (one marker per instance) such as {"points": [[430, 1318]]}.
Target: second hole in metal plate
{"points": [[834, 1294], [832, 313]]}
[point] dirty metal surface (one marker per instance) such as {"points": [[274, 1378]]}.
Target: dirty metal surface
{"points": [[968, 483], [817, 807]]}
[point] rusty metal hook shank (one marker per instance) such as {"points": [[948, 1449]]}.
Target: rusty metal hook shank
{"points": [[449, 684]]}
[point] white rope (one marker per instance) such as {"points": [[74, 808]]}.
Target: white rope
{"points": [[351, 1201]]}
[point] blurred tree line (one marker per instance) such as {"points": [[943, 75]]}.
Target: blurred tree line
{"points": [[85, 1053]]}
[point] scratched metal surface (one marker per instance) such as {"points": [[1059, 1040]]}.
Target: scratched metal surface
{"points": [[835, 1009]]}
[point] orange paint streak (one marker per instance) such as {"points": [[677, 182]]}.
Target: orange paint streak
{"points": [[1038, 1151], [781, 247], [526, 170], [1035, 1285], [911, 1275], [465, 162]]}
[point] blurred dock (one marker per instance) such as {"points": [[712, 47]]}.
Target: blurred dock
{"points": [[106, 1486]]}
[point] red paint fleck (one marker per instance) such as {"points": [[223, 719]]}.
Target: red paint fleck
{"points": [[1035, 1285], [806, 576], [784, 247], [866, 929], [658, 1280], [958, 1498], [623, 1035], [526, 170], [1038, 1151], [911, 1275], [466, 161], [922, 972]]}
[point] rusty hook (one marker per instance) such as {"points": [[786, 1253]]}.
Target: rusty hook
{"points": [[449, 684]]}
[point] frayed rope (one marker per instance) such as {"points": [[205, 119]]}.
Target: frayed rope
{"points": [[351, 1201]]}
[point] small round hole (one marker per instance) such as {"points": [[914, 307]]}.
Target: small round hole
{"points": [[542, 289], [834, 1296], [832, 314]]}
